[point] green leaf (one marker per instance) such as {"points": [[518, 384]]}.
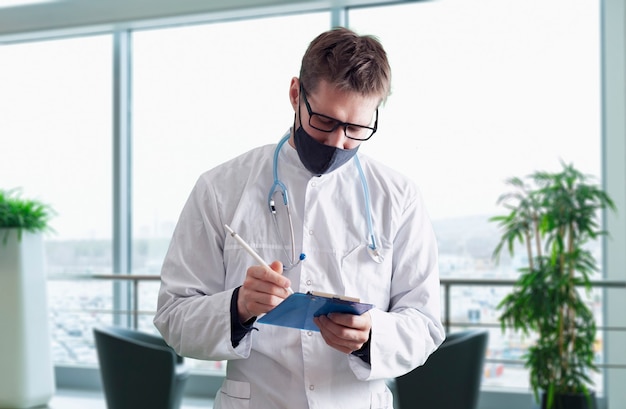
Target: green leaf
{"points": [[23, 214], [553, 216]]}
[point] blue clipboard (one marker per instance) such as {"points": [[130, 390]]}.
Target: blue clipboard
{"points": [[298, 310]]}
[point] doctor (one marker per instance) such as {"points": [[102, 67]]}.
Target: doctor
{"points": [[328, 219]]}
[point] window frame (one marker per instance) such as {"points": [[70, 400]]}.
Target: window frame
{"points": [[613, 47]]}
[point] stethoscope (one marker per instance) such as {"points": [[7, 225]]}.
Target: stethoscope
{"points": [[278, 185]]}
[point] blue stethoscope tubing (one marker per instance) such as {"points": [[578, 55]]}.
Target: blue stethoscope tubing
{"points": [[278, 185]]}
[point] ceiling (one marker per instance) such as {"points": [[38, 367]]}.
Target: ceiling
{"points": [[29, 21]]}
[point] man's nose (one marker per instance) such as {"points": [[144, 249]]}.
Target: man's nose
{"points": [[337, 138]]}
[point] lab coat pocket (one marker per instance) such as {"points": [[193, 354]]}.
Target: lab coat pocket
{"points": [[364, 278], [382, 400], [234, 395]]}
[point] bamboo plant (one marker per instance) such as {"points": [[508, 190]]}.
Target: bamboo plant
{"points": [[553, 216], [23, 214]]}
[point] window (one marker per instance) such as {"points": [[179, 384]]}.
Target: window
{"points": [[483, 90], [202, 95], [55, 132]]}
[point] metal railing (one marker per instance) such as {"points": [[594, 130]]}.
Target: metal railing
{"points": [[135, 279], [446, 285]]}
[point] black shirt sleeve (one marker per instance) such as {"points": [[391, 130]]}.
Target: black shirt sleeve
{"points": [[238, 329], [364, 352]]}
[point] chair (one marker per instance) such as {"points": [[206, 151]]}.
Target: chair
{"points": [[451, 376], [139, 370]]}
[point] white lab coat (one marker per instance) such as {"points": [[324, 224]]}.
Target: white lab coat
{"points": [[277, 367]]}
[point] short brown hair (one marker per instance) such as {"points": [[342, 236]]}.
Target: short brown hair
{"points": [[347, 60]]}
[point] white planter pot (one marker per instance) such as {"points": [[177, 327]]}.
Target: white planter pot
{"points": [[26, 370]]}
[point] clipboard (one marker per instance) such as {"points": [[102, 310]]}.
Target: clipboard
{"points": [[299, 309]]}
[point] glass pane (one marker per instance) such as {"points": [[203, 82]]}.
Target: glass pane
{"points": [[202, 95], [484, 90], [55, 132]]}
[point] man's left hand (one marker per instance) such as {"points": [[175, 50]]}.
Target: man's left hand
{"points": [[345, 332]]}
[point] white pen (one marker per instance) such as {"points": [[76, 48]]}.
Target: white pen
{"points": [[250, 250]]}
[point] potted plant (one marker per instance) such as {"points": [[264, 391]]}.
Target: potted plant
{"points": [[553, 217], [22, 214], [26, 371]]}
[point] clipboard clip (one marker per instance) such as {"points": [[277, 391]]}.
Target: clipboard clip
{"points": [[333, 296]]}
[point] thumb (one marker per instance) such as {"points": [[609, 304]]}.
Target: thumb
{"points": [[277, 266]]}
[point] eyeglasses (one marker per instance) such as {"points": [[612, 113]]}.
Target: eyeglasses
{"points": [[326, 123]]}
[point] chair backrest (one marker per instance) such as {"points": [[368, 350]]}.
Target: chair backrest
{"points": [[450, 378], [139, 370]]}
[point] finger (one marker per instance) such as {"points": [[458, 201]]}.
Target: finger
{"points": [[331, 340], [258, 285], [348, 320], [342, 338], [272, 275], [352, 331], [286, 283], [277, 266], [254, 303]]}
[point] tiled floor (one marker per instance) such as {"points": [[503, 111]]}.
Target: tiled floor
{"points": [[72, 399]]}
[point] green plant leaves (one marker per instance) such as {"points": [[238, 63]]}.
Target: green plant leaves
{"points": [[554, 215], [24, 214]]}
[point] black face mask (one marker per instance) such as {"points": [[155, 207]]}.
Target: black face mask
{"points": [[317, 157]]}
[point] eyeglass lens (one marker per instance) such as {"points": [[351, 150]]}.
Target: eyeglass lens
{"points": [[327, 124]]}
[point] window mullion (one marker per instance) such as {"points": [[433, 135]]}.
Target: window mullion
{"points": [[122, 198]]}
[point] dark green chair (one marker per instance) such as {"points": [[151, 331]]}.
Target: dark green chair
{"points": [[139, 370], [450, 378]]}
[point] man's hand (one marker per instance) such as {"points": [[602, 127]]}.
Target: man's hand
{"points": [[345, 332], [262, 290]]}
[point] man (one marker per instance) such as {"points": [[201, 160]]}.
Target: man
{"points": [[361, 230]]}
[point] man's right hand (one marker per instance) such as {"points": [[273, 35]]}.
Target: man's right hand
{"points": [[262, 290]]}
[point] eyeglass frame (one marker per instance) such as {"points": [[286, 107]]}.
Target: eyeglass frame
{"points": [[338, 122]]}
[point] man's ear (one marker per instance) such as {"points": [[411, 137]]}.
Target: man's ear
{"points": [[294, 92]]}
